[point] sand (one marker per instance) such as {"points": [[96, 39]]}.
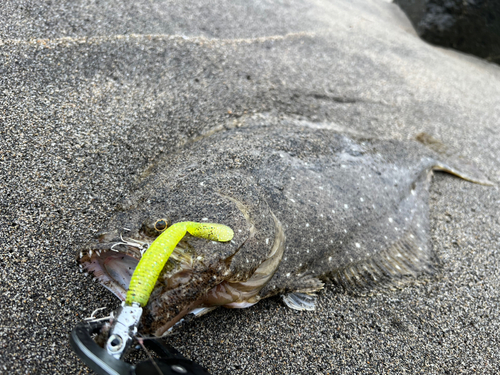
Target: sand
{"points": [[91, 93]]}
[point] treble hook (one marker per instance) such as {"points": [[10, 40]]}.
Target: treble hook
{"points": [[92, 317], [142, 246]]}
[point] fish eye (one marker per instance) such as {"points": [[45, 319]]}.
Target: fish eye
{"points": [[160, 225], [152, 227]]}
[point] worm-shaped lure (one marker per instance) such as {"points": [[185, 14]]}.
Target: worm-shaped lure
{"points": [[152, 262]]}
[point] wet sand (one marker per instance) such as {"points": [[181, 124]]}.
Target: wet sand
{"points": [[93, 93]]}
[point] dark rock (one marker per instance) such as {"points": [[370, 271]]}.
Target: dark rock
{"points": [[471, 26]]}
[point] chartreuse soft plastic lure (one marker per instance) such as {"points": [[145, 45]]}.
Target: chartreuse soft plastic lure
{"points": [[152, 262]]}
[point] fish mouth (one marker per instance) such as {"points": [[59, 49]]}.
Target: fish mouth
{"points": [[114, 259], [187, 283], [111, 263]]}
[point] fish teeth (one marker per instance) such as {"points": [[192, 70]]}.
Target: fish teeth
{"points": [[90, 253], [81, 254]]}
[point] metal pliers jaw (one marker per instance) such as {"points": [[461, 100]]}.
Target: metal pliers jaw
{"points": [[108, 361]]}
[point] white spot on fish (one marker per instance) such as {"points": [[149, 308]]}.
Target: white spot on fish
{"points": [[320, 188], [330, 259], [390, 220], [293, 200], [288, 274], [346, 206], [267, 241], [361, 199], [205, 219], [358, 245], [307, 224]]}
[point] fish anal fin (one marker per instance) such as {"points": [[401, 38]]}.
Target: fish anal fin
{"points": [[405, 259]]}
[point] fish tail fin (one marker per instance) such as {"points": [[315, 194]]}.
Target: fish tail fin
{"points": [[451, 163]]}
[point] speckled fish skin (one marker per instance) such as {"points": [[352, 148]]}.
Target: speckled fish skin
{"points": [[306, 205]]}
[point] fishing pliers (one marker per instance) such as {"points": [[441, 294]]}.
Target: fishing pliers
{"points": [[109, 360]]}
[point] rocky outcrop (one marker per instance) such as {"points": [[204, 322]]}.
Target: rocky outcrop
{"points": [[471, 26]]}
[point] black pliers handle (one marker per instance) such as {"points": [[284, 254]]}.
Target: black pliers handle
{"points": [[171, 362]]}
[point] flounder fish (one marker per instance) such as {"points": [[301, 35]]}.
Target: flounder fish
{"points": [[306, 206]]}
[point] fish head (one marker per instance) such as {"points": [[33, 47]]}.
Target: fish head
{"points": [[200, 273]]}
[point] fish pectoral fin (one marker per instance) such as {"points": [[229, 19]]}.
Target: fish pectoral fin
{"points": [[300, 301], [302, 283], [202, 310]]}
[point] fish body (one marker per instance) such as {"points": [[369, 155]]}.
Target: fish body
{"points": [[306, 206]]}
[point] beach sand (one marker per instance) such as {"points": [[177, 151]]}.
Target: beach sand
{"points": [[91, 93]]}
